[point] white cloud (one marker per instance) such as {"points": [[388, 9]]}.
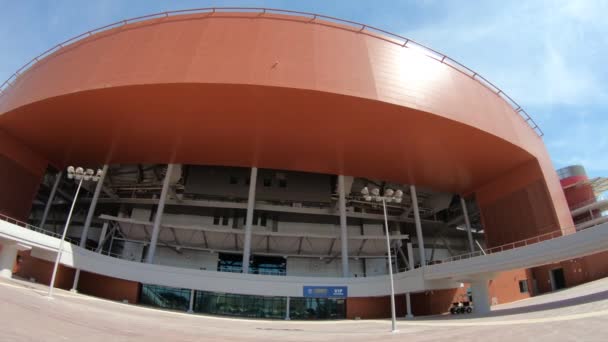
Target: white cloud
{"points": [[548, 55], [545, 52]]}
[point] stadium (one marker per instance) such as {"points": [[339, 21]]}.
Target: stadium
{"points": [[255, 162]]}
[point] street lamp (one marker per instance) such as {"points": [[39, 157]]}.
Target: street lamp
{"points": [[77, 174], [389, 196]]}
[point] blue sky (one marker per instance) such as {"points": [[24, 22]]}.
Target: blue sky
{"points": [[550, 55]]}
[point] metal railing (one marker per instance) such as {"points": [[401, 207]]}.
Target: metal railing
{"points": [[508, 246], [36, 229], [556, 233], [307, 17], [108, 252]]}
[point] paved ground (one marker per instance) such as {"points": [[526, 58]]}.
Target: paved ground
{"points": [[577, 314]]}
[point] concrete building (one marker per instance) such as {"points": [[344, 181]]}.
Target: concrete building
{"points": [[236, 147]]}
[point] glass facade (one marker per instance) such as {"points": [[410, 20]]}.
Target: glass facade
{"points": [[165, 297], [259, 264], [227, 304], [239, 305], [268, 265], [230, 263], [317, 308]]}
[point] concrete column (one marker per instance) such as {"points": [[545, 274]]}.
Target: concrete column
{"points": [[467, 222], [8, 256], [288, 299], [481, 294], [410, 255], [418, 226], [87, 222], [159, 215], [191, 305], [343, 225], [249, 219], [408, 306], [49, 203]]}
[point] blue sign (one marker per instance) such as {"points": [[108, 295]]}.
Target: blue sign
{"points": [[325, 291]]}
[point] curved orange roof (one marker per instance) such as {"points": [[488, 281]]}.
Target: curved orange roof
{"points": [[270, 90]]}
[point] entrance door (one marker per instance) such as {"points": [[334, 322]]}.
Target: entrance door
{"points": [[558, 281]]}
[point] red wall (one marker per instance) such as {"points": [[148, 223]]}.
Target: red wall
{"points": [[517, 206], [107, 287], [374, 307], [89, 283], [42, 271], [505, 289], [21, 171]]}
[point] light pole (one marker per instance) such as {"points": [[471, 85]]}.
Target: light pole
{"points": [[389, 196], [80, 175]]}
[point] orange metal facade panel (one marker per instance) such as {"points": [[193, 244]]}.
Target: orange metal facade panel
{"points": [[271, 91]]}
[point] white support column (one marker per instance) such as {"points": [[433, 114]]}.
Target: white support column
{"points": [[8, 255], [249, 219], [467, 222], [288, 299], [481, 294], [343, 225], [191, 305], [49, 202], [419, 236], [408, 306], [87, 222], [410, 255], [159, 215]]}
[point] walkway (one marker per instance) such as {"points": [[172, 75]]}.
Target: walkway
{"points": [[576, 314]]}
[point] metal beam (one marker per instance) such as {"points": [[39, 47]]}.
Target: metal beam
{"points": [[361, 247], [262, 206], [107, 236], [324, 256], [49, 202], [205, 239], [159, 215], [465, 213], [300, 245], [174, 236], [419, 236], [331, 246]]}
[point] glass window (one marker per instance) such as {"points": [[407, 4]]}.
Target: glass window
{"points": [[317, 308], [239, 305], [230, 263], [268, 265], [523, 286], [165, 297], [267, 182], [233, 180]]}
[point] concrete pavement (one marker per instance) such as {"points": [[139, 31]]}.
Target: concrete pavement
{"points": [[577, 314]]}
